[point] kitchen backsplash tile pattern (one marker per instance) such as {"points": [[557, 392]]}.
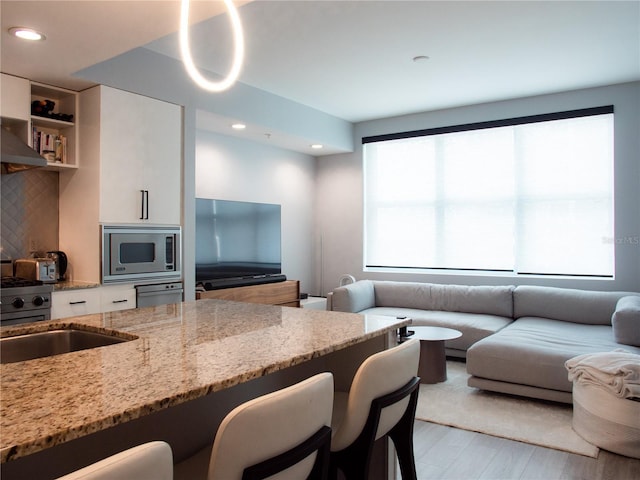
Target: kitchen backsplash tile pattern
{"points": [[29, 211]]}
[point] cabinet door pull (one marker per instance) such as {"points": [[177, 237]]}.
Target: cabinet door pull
{"points": [[78, 302], [144, 210], [143, 201], [120, 301]]}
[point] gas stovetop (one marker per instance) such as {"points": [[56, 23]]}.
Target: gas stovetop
{"points": [[14, 282], [24, 300]]}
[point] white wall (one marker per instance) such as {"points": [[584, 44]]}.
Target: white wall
{"points": [[339, 188], [232, 169]]}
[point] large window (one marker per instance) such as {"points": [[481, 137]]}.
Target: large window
{"points": [[530, 195]]}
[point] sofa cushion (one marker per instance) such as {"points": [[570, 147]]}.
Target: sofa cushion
{"points": [[453, 298], [353, 297], [532, 351], [474, 326], [569, 305], [626, 321]]}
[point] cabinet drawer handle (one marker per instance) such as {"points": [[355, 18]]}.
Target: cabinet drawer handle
{"points": [[120, 301], [78, 302]]}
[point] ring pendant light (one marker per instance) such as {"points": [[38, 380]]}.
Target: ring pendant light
{"points": [[238, 53]]}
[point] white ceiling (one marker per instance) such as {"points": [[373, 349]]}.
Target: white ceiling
{"points": [[351, 59], [354, 59], [81, 33]]}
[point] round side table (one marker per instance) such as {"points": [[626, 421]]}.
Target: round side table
{"points": [[433, 360]]}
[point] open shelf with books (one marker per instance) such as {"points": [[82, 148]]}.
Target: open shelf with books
{"points": [[53, 123]]}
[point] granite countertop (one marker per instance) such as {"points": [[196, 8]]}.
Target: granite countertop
{"points": [[181, 352], [73, 285]]}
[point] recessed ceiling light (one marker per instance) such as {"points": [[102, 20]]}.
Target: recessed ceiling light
{"points": [[316, 146], [238, 126], [26, 33]]}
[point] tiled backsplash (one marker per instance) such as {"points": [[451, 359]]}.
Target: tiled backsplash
{"points": [[29, 213]]}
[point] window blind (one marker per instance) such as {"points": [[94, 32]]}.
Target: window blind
{"points": [[529, 195]]}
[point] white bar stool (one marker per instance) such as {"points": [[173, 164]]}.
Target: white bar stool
{"points": [[382, 401], [282, 435], [149, 461]]}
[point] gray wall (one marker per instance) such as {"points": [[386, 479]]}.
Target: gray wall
{"points": [[339, 189], [232, 169]]}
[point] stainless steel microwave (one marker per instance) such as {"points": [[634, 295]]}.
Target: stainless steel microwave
{"points": [[131, 253]]}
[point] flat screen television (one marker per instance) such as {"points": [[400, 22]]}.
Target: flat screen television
{"points": [[237, 243]]}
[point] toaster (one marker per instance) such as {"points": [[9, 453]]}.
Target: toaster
{"points": [[43, 269]]}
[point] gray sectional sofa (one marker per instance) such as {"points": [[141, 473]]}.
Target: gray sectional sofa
{"points": [[515, 339]]}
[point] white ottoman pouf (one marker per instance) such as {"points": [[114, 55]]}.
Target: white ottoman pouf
{"points": [[605, 420]]}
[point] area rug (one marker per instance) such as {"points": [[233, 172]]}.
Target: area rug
{"points": [[453, 403]]}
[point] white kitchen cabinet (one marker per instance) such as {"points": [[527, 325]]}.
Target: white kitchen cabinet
{"points": [[130, 145], [70, 303], [117, 297], [15, 92], [84, 301], [141, 159]]}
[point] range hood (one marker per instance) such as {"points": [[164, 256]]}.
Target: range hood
{"points": [[17, 155]]}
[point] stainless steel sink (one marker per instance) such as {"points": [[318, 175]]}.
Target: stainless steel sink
{"points": [[52, 342]]}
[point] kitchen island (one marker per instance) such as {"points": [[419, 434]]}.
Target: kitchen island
{"points": [[184, 367]]}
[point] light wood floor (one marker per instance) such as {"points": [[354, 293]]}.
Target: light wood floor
{"points": [[445, 453]]}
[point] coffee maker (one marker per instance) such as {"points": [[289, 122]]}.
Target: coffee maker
{"points": [[60, 258]]}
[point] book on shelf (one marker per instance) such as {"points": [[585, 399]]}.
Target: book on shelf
{"points": [[35, 140], [52, 146]]}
